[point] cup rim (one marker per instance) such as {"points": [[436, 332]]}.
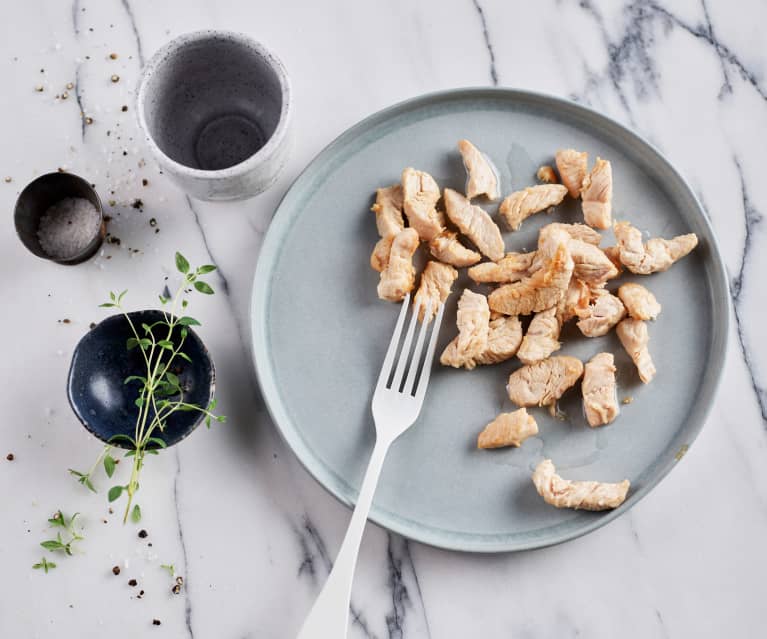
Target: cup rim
{"points": [[260, 156]]}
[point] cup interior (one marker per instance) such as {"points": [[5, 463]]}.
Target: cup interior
{"points": [[212, 101], [35, 200]]}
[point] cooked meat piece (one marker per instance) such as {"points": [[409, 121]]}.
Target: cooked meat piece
{"points": [[584, 495], [420, 196], [398, 278], [597, 195], [520, 205], [543, 383], [654, 256], [634, 336], [546, 175], [603, 312], [446, 248], [549, 239], [542, 337], [572, 166], [542, 290], [482, 176], [600, 402], [388, 210], [639, 302], [613, 254], [503, 340], [379, 258], [475, 223], [510, 268], [436, 281], [508, 429], [591, 264], [575, 300], [577, 232], [473, 323]]}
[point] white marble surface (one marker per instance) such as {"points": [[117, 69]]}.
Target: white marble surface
{"points": [[251, 532]]}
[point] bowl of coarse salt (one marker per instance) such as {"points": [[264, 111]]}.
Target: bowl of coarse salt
{"points": [[59, 217]]}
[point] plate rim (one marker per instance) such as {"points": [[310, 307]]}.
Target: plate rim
{"points": [[270, 249]]}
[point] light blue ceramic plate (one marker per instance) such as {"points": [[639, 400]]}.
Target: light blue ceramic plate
{"points": [[320, 332]]}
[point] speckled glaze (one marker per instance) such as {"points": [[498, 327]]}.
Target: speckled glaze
{"points": [[436, 487], [215, 108], [101, 400]]}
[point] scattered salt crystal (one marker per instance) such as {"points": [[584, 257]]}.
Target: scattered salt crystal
{"points": [[68, 226]]}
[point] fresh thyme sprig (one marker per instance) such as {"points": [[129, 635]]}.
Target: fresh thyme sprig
{"points": [[59, 520], [160, 391]]}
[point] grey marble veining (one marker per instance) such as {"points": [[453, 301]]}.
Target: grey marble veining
{"points": [[250, 531]]}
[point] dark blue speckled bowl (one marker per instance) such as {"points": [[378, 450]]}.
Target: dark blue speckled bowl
{"points": [[101, 362]]}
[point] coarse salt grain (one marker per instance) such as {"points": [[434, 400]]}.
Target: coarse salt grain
{"points": [[68, 226]]}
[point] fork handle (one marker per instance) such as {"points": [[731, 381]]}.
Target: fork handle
{"points": [[329, 617]]}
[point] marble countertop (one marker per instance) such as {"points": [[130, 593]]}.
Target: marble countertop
{"points": [[250, 531]]}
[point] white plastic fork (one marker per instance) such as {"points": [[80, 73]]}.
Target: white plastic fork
{"points": [[394, 411]]}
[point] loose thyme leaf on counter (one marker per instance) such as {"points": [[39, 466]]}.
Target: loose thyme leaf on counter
{"points": [[136, 514], [170, 568], [44, 564]]}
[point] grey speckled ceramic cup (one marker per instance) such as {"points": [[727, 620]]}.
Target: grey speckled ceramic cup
{"points": [[215, 107]]}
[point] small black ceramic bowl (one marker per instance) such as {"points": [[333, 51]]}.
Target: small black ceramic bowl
{"points": [[35, 200], [106, 405]]}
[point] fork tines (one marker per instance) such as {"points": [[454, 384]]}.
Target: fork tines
{"points": [[409, 360]]}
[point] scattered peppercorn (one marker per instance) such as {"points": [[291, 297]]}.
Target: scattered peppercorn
{"points": [[92, 325], [152, 222], [64, 95], [116, 570], [176, 589], [66, 320], [156, 622], [115, 78], [39, 88], [137, 204], [10, 457], [124, 108], [113, 56], [8, 179], [61, 169], [112, 202], [142, 533], [110, 510], [140, 594], [144, 182], [70, 86], [88, 120], [132, 583]]}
